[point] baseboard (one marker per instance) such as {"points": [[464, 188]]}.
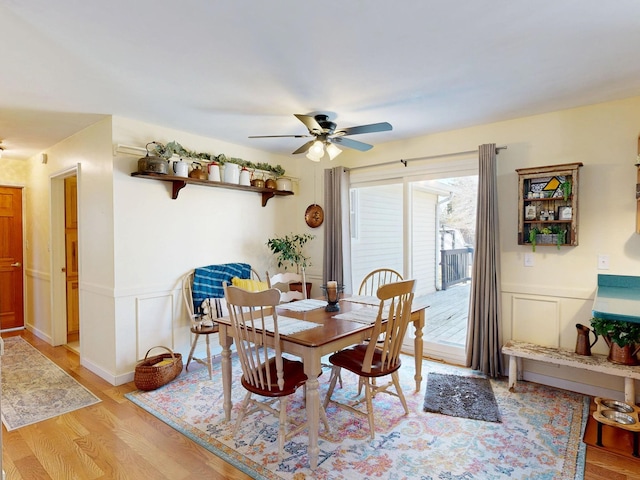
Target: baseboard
{"points": [[583, 388], [40, 334]]}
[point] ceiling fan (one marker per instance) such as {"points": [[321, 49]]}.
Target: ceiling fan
{"points": [[327, 137]]}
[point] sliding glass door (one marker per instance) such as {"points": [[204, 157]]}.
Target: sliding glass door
{"points": [[424, 228]]}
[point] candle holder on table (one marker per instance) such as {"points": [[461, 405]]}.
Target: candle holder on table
{"points": [[332, 293]]}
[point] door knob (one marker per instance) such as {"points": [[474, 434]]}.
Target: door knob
{"points": [[17, 264], [63, 269]]}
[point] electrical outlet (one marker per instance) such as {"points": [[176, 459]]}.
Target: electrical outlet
{"points": [[528, 259], [603, 262]]}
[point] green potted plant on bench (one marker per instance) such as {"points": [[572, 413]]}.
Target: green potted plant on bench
{"points": [[623, 339]]}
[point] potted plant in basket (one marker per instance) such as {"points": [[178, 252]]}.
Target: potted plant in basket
{"points": [[623, 339], [289, 252]]}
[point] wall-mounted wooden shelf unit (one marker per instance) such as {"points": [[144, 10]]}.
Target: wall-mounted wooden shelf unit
{"points": [[542, 204], [180, 182]]}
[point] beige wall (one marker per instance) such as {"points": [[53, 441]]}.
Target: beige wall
{"points": [[543, 303]]}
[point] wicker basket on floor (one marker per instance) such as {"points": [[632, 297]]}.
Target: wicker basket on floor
{"points": [[158, 370]]}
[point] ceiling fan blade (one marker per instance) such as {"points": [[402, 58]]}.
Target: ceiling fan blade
{"points": [[347, 142], [311, 123], [278, 136], [304, 147], [371, 128]]}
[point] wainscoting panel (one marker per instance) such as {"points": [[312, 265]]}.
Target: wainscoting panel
{"points": [[154, 323], [536, 320]]}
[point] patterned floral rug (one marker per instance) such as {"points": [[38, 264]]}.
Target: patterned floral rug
{"points": [[540, 436], [34, 388]]}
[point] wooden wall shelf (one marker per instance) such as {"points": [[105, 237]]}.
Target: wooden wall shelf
{"points": [[533, 212], [178, 183]]}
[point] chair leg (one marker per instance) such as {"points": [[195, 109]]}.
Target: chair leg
{"points": [[335, 373], [243, 412], [323, 417], [193, 348], [396, 382], [361, 384], [282, 427], [368, 387], [209, 359]]}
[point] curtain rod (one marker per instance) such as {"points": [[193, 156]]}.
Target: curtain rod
{"points": [[428, 157]]}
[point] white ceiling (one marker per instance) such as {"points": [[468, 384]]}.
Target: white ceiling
{"points": [[231, 69]]}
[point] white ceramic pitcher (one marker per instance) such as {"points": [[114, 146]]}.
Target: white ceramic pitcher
{"points": [[231, 173], [181, 168]]}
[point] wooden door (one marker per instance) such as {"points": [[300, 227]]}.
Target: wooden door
{"points": [[71, 255], [11, 269]]}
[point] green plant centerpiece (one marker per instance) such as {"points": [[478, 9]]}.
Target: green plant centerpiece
{"points": [[623, 339], [289, 250]]}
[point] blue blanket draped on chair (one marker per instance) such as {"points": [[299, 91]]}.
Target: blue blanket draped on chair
{"points": [[207, 281]]}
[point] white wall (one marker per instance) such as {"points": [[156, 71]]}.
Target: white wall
{"points": [[158, 239]]}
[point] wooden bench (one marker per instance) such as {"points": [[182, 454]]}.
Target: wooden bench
{"points": [[595, 363]]}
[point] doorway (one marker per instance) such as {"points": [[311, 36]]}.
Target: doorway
{"points": [[11, 259], [65, 264], [71, 260]]}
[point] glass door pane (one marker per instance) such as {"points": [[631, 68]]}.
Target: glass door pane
{"points": [[376, 230]]}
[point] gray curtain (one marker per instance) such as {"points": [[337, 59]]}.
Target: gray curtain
{"points": [[484, 326], [337, 232]]}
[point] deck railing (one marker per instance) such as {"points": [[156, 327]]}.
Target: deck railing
{"points": [[456, 266]]}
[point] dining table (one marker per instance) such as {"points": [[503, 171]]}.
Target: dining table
{"points": [[319, 333]]}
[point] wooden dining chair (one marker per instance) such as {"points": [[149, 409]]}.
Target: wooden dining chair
{"points": [[373, 360], [286, 278], [370, 284], [265, 372], [202, 324], [373, 280]]}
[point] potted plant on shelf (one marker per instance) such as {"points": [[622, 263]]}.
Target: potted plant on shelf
{"points": [[289, 252], [566, 189], [623, 339], [552, 234], [533, 234]]}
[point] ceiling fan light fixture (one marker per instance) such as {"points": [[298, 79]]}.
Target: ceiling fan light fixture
{"points": [[314, 158], [332, 151], [317, 149]]}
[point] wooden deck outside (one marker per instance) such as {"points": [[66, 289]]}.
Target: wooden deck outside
{"points": [[447, 315]]}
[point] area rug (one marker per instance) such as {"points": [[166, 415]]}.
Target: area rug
{"points": [[466, 397], [34, 388], [539, 437]]}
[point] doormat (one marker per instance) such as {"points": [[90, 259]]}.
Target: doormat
{"points": [[466, 397], [36, 389]]}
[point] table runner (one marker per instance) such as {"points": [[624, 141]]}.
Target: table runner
{"points": [[303, 305]]}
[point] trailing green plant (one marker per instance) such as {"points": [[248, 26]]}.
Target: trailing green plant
{"points": [[174, 148], [532, 237], [566, 189], [619, 332], [289, 250]]}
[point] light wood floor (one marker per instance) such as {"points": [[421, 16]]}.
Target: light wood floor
{"points": [[117, 440]]}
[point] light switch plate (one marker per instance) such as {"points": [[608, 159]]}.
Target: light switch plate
{"points": [[603, 262], [528, 260]]}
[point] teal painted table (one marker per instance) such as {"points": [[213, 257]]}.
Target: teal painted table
{"points": [[617, 298]]}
